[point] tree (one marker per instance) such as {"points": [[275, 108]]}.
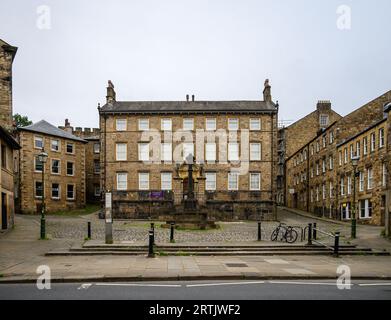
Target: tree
{"points": [[21, 121]]}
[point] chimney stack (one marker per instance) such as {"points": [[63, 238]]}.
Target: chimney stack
{"points": [[67, 126], [187, 98], [110, 97], [267, 97], [192, 97], [323, 105]]}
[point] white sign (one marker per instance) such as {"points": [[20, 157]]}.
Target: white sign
{"points": [[108, 205], [291, 191]]}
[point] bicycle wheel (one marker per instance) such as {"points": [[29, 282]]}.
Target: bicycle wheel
{"points": [[291, 236], [274, 234]]}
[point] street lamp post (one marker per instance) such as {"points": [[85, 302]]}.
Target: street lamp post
{"points": [[355, 160], [42, 157]]}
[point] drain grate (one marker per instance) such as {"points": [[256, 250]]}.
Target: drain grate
{"points": [[236, 265]]}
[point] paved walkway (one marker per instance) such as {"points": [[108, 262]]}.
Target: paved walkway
{"points": [[21, 253]]}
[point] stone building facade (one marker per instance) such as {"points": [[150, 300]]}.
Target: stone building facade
{"points": [[64, 187], [92, 163], [8, 145], [145, 144], [319, 176], [295, 136], [7, 55]]}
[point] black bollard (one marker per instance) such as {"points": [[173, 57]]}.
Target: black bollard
{"points": [[314, 234], [150, 245], [309, 234], [172, 232], [259, 231], [336, 244], [153, 230], [89, 230]]}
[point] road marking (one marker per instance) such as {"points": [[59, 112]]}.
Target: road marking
{"points": [[276, 261], [223, 284], [305, 283], [138, 285], [374, 284], [85, 286], [298, 271]]}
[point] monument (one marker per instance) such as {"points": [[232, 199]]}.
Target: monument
{"points": [[190, 214]]}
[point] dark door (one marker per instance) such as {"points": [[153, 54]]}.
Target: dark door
{"points": [[4, 218], [295, 200]]}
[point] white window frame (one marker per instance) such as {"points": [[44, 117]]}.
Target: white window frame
{"points": [[210, 152], [365, 146], [35, 190], [231, 182], [166, 124], [123, 184], [373, 141], [38, 138], [58, 145], [345, 155], [143, 180], [143, 155], [143, 124], [74, 191], [358, 149], [323, 120], [361, 181], [366, 209], [233, 124], [258, 187], [36, 160], [342, 186], [59, 166], [188, 124], [187, 149], [233, 146], [255, 124], [73, 148], [370, 179], [331, 162], [331, 186], [255, 156], [121, 124], [121, 155], [165, 183], [381, 138], [166, 152], [349, 185], [210, 124], [73, 169], [59, 191], [210, 184]]}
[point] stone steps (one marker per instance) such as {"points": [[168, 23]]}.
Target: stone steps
{"points": [[216, 250], [217, 253]]}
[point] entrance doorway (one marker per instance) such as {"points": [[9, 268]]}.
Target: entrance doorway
{"points": [[4, 217]]}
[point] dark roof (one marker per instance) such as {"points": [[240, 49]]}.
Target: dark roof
{"points": [[4, 135], [188, 107], [47, 128], [361, 132]]}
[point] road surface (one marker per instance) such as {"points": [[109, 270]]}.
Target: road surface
{"points": [[202, 290]]}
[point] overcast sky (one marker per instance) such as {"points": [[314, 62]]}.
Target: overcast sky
{"points": [[216, 49]]}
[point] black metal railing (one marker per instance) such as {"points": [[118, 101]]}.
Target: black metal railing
{"points": [[312, 232]]}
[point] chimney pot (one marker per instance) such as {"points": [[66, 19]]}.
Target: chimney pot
{"points": [[267, 91], [192, 97], [187, 98]]}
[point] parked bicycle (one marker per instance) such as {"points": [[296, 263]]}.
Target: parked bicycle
{"points": [[284, 233]]}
